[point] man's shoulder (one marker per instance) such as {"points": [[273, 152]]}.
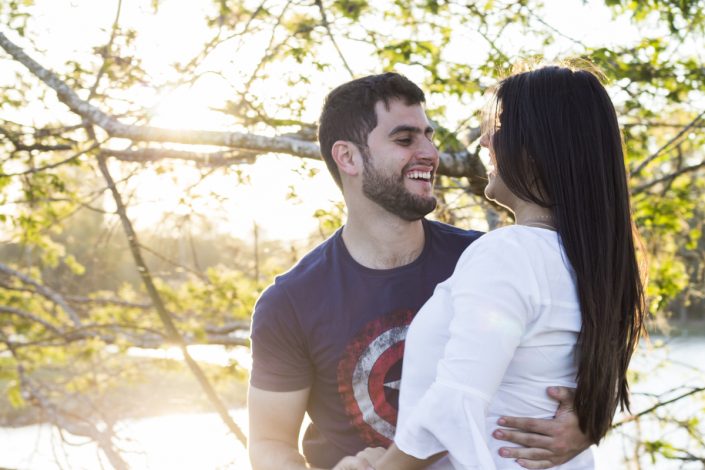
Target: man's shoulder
{"points": [[452, 234], [310, 269], [312, 265]]}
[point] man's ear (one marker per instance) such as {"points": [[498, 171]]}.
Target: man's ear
{"points": [[346, 155]]}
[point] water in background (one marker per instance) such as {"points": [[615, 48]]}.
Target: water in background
{"points": [[201, 441]]}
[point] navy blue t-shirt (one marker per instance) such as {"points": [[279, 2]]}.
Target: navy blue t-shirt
{"points": [[338, 327]]}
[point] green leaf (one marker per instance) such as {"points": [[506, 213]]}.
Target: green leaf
{"points": [[14, 396]]}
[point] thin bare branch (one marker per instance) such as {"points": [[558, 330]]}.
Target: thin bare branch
{"points": [[78, 427], [236, 325], [269, 52], [326, 25], [31, 317], [164, 315], [22, 147], [657, 406], [215, 42], [211, 159], [669, 177], [539, 18], [651, 124], [106, 53], [107, 301], [44, 291], [667, 145], [167, 260], [54, 165]]}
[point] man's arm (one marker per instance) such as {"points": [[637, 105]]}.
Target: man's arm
{"points": [[275, 422], [547, 442]]}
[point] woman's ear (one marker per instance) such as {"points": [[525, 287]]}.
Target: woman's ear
{"points": [[347, 157]]}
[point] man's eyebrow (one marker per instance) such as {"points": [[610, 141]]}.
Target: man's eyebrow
{"points": [[414, 129]]}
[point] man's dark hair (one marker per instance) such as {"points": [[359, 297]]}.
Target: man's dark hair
{"points": [[558, 144], [349, 111]]}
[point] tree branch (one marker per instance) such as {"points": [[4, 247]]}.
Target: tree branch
{"points": [[217, 41], [213, 159], [657, 406], [668, 177], [44, 291], [653, 156], [326, 25], [31, 317], [104, 438], [164, 315], [116, 128], [268, 52], [106, 52], [236, 325], [149, 339], [53, 165], [451, 164]]}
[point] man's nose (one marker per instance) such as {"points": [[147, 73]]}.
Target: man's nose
{"points": [[429, 151]]}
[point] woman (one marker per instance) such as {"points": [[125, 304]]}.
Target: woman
{"points": [[555, 299]]}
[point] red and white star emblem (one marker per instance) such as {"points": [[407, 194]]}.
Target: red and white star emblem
{"points": [[369, 374]]}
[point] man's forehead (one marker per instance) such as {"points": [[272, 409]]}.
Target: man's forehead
{"points": [[397, 112]]}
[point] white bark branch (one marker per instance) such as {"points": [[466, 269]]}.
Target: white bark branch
{"points": [[154, 134], [229, 157], [452, 164]]}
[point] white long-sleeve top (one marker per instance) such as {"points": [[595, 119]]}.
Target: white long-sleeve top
{"points": [[487, 344]]}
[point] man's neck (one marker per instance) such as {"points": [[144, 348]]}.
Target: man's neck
{"points": [[383, 242]]}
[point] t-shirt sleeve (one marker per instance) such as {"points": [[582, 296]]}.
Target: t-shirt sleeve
{"points": [[493, 296], [280, 359]]}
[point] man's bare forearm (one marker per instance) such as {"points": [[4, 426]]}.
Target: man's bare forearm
{"points": [[276, 455]]}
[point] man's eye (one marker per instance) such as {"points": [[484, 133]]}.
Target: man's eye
{"points": [[404, 141]]}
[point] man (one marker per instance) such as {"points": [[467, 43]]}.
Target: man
{"points": [[328, 336]]}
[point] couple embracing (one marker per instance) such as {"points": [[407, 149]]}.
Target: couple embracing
{"points": [[415, 344]]}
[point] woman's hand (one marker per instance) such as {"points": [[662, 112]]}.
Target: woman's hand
{"points": [[364, 460]]}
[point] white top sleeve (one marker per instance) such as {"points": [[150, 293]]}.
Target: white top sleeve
{"points": [[493, 295]]}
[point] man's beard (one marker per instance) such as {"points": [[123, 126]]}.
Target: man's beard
{"points": [[389, 192]]}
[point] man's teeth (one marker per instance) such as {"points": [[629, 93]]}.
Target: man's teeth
{"points": [[419, 175]]}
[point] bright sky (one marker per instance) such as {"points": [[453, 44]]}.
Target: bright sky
{"points": [[174, 35], [171, 36]]}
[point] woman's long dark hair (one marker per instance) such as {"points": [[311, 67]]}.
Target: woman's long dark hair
{"points": [[558, 144]]}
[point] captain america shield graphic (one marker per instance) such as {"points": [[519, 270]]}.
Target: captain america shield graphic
{"points": [[369, 374]]}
